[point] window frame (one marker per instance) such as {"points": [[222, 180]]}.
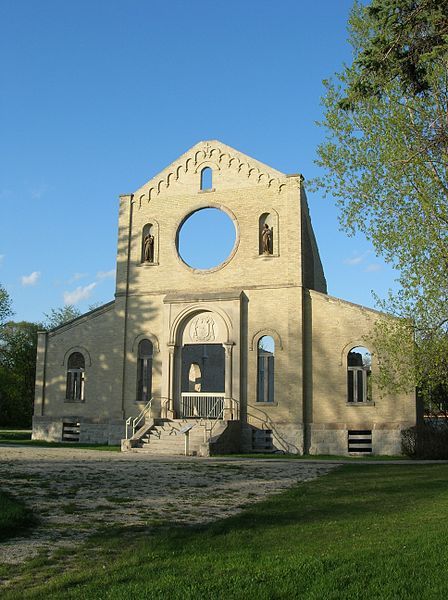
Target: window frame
{"points": [[75, 380]]}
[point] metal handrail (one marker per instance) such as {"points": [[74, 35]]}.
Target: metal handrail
{"points": [[268, 424], [138, 419], [213, 421]]}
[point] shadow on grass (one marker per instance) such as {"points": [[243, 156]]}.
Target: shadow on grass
{"points": [[15, 518]]}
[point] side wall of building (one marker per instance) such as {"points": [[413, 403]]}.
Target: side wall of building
{"points": [[98, 336], [334, 327]]}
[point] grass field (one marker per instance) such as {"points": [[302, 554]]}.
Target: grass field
{"points": [[359, 532], [23, 437], [14, 516]]}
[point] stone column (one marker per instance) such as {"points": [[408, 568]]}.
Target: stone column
{"points": [[169, 404], [39, 394], [229, 407]]}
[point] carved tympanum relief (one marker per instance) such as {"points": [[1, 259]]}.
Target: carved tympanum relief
{"points": [[202, 329]]}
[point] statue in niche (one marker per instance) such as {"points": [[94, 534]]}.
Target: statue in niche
{"points": [[266, 239], [148, 248]]}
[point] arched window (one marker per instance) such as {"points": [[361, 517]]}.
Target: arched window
{"points": [[206, 178], [75, 377], [148, 244], [144, 371], [265, 369], [359, 369]]}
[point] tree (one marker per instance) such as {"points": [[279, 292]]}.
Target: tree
{"points": [[59, 316], [18, 344], [5, 305], [385, 160]]}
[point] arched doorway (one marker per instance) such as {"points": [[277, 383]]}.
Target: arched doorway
{"points": [[201, 373]]}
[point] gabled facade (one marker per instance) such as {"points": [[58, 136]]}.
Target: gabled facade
{"points": [[193, 342]]}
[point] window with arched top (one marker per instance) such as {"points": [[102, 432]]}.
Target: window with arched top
{"points": [[265, 369], [359, 370], [144, 371], [76, 365], [206, 178]]}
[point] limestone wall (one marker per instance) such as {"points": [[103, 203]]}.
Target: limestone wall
{"points": [[99, 338], [333, 328]]}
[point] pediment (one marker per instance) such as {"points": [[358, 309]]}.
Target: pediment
{"points": [[235, 170]]}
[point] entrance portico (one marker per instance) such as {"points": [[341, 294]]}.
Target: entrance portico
{"points": [[204, 338]]}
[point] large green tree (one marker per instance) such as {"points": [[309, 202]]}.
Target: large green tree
{"points": [[18, 343], [385, 160], [5, 305], [58, 316]]}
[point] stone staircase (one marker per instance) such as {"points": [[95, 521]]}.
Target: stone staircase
{"points": [[168, 437]]}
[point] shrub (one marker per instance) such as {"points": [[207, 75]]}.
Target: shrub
{"points": [[427, 441]]}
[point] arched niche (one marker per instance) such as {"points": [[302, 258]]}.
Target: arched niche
{"points": [[268, 234], [149, 247]]}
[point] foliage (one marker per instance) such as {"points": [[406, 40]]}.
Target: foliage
{"points": [[385, 160], [428, 440], [5, 305], [406, 38], [18, 344], [359, 532], [59, 316]]}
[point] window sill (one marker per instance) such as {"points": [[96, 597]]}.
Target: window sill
{"points": [[207, 191], [69, 401], [267, 256], [147, 264], [265, 404], [360, 404]]}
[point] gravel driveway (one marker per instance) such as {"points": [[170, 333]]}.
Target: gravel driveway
{"points": [[75, 492]]}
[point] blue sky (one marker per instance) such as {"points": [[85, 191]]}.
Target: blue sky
{"points": [[97, 97]]}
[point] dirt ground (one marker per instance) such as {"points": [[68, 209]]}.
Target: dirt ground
{"points": [[75, 492]]}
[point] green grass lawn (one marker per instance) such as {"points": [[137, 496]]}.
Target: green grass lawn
{"points": [[23, 438], [14, 516], [325, 457], [358, 533]]}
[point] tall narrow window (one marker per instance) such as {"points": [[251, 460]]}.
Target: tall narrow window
{"points": [[206, 178], [144, 371], [75, 377], [265, 369], [359, 369]]}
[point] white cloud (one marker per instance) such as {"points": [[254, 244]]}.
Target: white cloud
{"points": [[81, 293], [373, 267], [105, 274], [77, 277], [30, 279], [357, 259]]}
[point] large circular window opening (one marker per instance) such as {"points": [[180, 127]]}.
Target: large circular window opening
{"points": [[206, 238]]}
